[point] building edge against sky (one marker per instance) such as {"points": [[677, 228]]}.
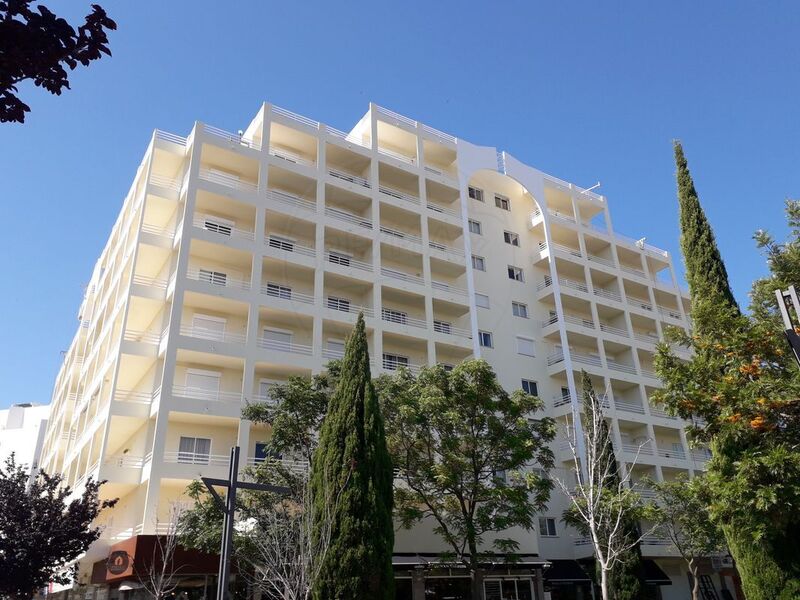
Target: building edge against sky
{"points": [[239, 260]]}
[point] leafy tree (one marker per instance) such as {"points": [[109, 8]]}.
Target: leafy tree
{"points": [[603, 505], [352, 458], [462, 445], [681, 512], [742, 385], [38, 45], [41, 533]]}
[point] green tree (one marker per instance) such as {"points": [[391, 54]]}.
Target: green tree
{"points": [[37, 45], [743, 387], [682, 513], [352, 459], [464, 447], [609, 502], [42, 531]]}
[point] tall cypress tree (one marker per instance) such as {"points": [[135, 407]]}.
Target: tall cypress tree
{"points": [[626, 579], [705, 271], [352, 485]]}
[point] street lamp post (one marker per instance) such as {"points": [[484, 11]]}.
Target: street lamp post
{"points": [[228, 507], [789, 303]]}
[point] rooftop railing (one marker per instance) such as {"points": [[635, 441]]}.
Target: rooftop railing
{"points": [[232, 138]]}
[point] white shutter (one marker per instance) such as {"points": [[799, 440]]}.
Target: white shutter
{"points": [[204, 384], [210, 328], [278, 339]]}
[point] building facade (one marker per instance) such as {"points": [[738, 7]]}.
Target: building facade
{"points": [[239, 260], [22, 431]]}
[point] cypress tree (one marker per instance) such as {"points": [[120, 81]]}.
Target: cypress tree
{"points": [[626, 579], [351, 483], [705, 271]]}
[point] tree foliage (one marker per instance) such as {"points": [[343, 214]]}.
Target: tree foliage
{"points": [[741, 389], [682, 513], [353, 460], [463, 446], [42, 531], [38, 45], [604, 506]]}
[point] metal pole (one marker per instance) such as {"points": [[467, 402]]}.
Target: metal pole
{"points": [[227, 527]]}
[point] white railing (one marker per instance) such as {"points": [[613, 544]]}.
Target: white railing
{"points": [[349, 177], [640, 303], [212, 279], [295, 466], [349, 308], [332, 354], [440, 134], [398, 194], [394, 274], [145, 337], [614, 330], [122, 534], [282, 346], [167, 232], [646, 337], [440, 170], [565, 283], [654, 540], [295, 117], [136, 397], [618, 366], [196, 458], [644, 448], [284, 245], [291, 199], [396, 116], [393, 316], [391, 365], [233, 138], [649, 373], [628, 406], [208, 223], [701, 455], [150, 282], [410, 160], [196, 393], [561, 216], [228, 180], [660, 412], [348, 217], [290, 156], [567, 250], [346, 261], [561, 400], [448, 329], [209, 334], [170, 137], [451, 251], [673, 454], [394, 233], [669, 313], [586, 359], [632, 271], [608, 294], [125, 461], [443, 209], [348, 137], [280, 291], [165, 182], [601, 261], [446, 287], [555, 358]]}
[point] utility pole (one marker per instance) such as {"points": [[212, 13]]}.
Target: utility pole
{"points": [[788, 302], [228, 507]]}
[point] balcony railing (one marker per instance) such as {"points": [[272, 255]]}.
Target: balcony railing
{"points": [[393, 316], [443, 209], [446, 287], [208, 223], [283, 346], [343, 215], [285, 293], [170, 137], [451, 251], [349, 177], [448, 329], [153, 282], [643, 449], [166, 232], [196, 393], [217, 279], [391, 365], [125, 461], [290, 156], [400, 275], [232, 138], [398, 194], [136, 397], [397, 156], [210, 334], [296, 466], [348, 137], [346, 261], [291, 200], [228, 180], [401, 235], [348, 307], [284, 245], [196, 458], [622, 367], [144, 337], [673, 454], [628, 406]]}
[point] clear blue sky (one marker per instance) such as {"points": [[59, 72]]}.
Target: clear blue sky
{"points": [[585, 91]]}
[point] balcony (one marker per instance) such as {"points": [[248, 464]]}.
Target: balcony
{"points": [[291, 156], [402, 276], [290, 200], [221, 227], [204, 333], [217, 279], [232, 139], [398, 195], [276, 290], [228, 180], [402, 318], [279, 245], [348, 217], [356, 180], [285, 346], [208, 395]]}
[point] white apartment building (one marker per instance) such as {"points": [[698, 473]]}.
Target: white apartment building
{"points": [[22, 430], [239, 260]]}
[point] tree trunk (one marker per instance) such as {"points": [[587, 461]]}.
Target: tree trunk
{"points": [[604, 583], [693, 569]]}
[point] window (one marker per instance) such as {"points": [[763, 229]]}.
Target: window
{"points": [[515, 273], [202, 384], [265, 390], [262, 452], [442, 327], [342, 304], [511, 238], [505, 589], [339, 258], [500, 475], [279, 291], [276, 340], [392, 362], [394, 316], [475, 227], [485, 339], [481, 300], [501, 201], [525, 346], [547, 527], [519, 309], [530, 387], [281, 243], [207, 327], [478, 263], [194, 450], [476, 193], [215, 277], [334, 349], [218, 225]]}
